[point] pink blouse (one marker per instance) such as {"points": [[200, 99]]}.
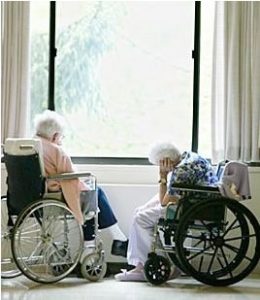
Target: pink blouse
{"points": [[56, 161]]}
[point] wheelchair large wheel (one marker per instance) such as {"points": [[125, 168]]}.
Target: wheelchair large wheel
{"points": [[224, 241], [8, 265], [47, 241], [157, 269]]}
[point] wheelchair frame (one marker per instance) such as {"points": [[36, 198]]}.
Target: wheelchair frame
{"points": [[40, 236], [214, 239]]}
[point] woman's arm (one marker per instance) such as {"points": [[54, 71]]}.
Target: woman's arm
{"points": [[166, 166]]}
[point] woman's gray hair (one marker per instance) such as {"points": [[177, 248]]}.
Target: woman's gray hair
{"points": [[48, 123], [162, 150]]}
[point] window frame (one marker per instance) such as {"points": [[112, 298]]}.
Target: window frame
{"points": [[196, 82]]}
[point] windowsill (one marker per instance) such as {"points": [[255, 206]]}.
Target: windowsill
{"points": [[126, 174], [110, 160], [122, 174]]}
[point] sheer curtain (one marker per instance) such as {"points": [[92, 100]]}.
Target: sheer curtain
{"points": [[236, 82], [15, 68]]}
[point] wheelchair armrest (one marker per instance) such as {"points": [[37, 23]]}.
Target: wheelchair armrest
{"points": [[197, 188], [67, 176]]}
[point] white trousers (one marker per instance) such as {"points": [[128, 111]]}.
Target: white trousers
{"points": [[141, 230]]}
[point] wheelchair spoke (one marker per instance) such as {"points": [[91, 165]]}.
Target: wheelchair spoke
{"points": [[230, 227], [35, 250], [226, 262], [198, 243], [241, 237], [199, 253], [31, 226], [236, 250], [23, 234], [205, 225], [29, 240], [47, 222], [230, 247], [201, 263], [212, 259], [220, 262]]}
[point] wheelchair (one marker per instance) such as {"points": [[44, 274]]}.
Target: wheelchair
{"points": [[40, 236], [214, 239]]}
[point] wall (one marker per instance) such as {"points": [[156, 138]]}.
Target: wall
{"points": [[130, 186]]}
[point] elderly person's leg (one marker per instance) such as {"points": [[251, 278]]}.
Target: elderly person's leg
{"points": [[140, 239], [141, 231], [106, 220]]}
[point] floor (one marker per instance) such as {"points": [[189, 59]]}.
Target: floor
{"points": [[22, 288]]}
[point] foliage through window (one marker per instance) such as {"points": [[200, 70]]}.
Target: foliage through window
{"points": [[123, 75]]}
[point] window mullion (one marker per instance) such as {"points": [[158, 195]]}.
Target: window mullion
{"points": [[196, 79], [52, 55]]}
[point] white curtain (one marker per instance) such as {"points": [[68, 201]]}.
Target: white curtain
{"points": [[236, 82], [15, 68]]}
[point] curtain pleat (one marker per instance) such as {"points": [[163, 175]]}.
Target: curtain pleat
{"points": [[236, 77], [15, 68]]}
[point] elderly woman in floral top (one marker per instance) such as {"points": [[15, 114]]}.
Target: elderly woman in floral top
{"points": [[174, 167]]}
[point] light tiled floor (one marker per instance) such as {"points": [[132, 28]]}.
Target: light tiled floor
{"points": [[22, 288]]}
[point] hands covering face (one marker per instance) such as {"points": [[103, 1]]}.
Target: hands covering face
{"points": [[166, 166]]}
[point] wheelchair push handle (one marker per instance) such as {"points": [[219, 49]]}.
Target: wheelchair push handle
{"points": [[26, 147]]}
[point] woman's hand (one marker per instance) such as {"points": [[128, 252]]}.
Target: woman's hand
{"points": [[174, 199], [166, 166]]}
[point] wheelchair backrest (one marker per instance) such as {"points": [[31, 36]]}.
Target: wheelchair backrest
{"points": [[25, 173]]}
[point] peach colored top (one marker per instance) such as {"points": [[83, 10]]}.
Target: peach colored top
{"points": [[56, 161]]}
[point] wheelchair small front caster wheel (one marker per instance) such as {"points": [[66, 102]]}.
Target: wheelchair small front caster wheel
{"points": [[157, 269], [93, 267]]}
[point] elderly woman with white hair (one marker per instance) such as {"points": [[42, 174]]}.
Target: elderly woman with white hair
{"points": [[49, 127], [187, 167]]}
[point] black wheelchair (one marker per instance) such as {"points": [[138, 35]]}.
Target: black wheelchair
{"points": [[214, 239], [40, 236]]}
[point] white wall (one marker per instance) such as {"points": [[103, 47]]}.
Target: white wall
{"points": [[130, 186]]}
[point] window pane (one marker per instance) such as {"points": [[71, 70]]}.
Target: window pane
{"points": [[39, 26], [207, 28], [124, 75]]}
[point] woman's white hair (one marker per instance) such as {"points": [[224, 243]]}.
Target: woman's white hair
{"points": [[162, 150], [48, 123]]}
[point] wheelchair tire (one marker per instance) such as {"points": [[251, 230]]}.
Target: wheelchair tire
{"points": [[223, 251], [8, 265], [93, 266], [157, 269], [47, 241]]}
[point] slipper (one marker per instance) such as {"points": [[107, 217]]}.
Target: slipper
{"points": [[130, 276]]}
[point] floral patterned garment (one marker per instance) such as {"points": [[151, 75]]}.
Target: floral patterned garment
{"points": [[192, 169]]}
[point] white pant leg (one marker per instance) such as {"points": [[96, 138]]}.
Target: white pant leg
{"points": [[141, 231]]}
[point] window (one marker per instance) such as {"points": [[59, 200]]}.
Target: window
{"points": [[124, 75], [206, 60], [39, 36]]}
